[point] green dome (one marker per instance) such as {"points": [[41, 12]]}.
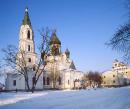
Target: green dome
{"points": [[54, 39], [67, 51]]}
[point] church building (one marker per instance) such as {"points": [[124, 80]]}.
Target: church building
{"points": [[68, 77]]}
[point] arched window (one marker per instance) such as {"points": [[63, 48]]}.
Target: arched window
{"points": [[59, 80], [28, 34], [14, 82], [44, 81], [29, 59], [68, 82], [29, 48], [48, 81]]}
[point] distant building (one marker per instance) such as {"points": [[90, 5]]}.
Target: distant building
{"points": [[69, 77], [118, 76], [128, 73]]}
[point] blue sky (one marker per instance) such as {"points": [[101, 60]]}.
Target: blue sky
{"points": [[83, 26]]}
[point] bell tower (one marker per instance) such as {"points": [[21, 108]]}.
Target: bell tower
{"points": [[26, 39]]}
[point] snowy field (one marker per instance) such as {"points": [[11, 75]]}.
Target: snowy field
{"points": [[113, 98]]}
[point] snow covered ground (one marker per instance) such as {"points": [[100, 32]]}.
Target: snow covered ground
{"points": [[113, 98]]}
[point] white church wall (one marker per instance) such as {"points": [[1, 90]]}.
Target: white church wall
{"points": [[15, 81]]}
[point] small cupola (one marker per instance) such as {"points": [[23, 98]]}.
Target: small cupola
{"points": [[67, 52], [54, 39], [55, 45]]}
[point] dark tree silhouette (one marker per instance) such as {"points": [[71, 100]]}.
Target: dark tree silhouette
{"points": [[121, 39], [93, 79]]}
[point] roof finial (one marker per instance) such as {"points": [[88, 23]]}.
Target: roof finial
{"points": [[26, 9]]}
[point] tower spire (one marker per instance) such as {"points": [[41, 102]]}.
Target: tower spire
{"points": [[26, 20]]}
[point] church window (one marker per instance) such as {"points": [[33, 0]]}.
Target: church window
{"points": [[113, 75], [114, 81], [29, 59], [68, 82], [29, 48], [28, 34], [14, 82], [34, 69], [59, 80], [48, 81], [44, 81]]}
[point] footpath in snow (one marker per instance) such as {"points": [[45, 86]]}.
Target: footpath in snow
{"points": [[108, 98]]}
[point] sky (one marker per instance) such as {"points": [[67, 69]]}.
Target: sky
{"points": [[83, 26]]}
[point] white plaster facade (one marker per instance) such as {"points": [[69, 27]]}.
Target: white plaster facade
{"points": [[117, 76], [111, 78]]}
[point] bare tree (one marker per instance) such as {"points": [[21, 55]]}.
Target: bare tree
{"points": [[44, 52], [121, 39], [16, 59], [93, 79], [16, 62], [98, 78], [54, 73]]}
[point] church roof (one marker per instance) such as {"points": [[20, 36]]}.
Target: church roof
{"points": [[26, 20], [72, 66], [54, 39]]}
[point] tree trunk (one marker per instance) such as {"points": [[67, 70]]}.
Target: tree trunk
{"points": [[27, 84], [33, 88]]}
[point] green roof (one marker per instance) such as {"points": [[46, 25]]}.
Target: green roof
{"points": [[54, 39], [67, 51], [72, 66], [26, 20]]}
